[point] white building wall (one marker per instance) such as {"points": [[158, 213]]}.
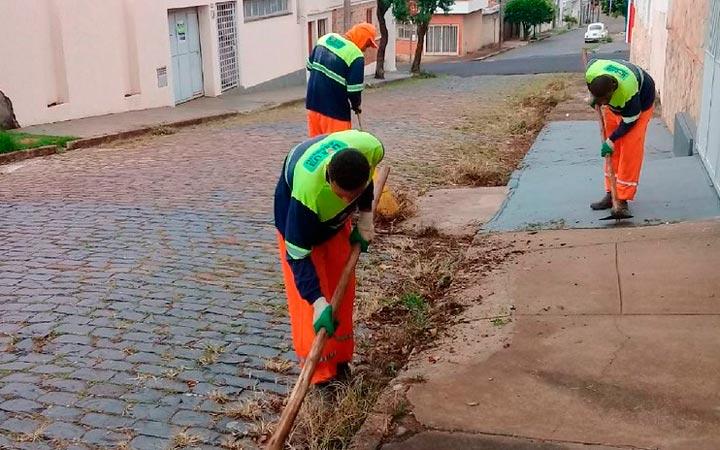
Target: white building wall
{"points": [[62, 59], [86, 58], [270, 48]]}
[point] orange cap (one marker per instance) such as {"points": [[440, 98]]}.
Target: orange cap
{"points": [[362, 35]]}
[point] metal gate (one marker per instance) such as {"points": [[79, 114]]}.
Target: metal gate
{"points": [[442, 40], [227, 37], [185, 51], [709, 134]]}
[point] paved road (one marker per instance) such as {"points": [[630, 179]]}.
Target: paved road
{"points": [[571, 42], [557, 54], [136, 279]]}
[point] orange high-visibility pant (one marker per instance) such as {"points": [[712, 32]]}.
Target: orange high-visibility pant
{"points": [[329, 259], [628, 154], [321, 124]]}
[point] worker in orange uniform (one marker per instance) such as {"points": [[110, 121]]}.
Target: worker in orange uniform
{"points": [[629, 93], [337, 73], [323, 182]]}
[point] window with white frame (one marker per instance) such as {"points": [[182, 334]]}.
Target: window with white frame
{"points": [[406, 31], [442, 40], [259, 9]]}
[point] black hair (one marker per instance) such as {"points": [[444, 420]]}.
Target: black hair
{"points": [[349, 169], [603, 86]]}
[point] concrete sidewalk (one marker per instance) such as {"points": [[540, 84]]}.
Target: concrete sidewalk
{"points": [[600, 339], [204, 108], [563, 173]]}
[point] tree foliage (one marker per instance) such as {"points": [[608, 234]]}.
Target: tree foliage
{"points": [[529, 13], [424, 13], [619, 7], [425, 10]]}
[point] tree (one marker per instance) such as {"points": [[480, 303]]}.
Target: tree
{"points": [[619, 7], [382, 8], [420, 17], [529, 13]]}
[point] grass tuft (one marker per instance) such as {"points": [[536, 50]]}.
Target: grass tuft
{"points": [[11, 141]]}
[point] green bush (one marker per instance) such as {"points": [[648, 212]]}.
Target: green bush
{"points": [[570, 20]]}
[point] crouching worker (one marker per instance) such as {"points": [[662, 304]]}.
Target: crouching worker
{"points": [[323, 182]]}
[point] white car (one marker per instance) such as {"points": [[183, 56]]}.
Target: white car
{"points": [[596, 32]]}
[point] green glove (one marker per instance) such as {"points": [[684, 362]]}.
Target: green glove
{"points": [[607, 148], [323, 316], [356, 237]]}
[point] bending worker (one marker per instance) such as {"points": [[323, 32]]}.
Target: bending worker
{"points": [[323, 181], [629, 93], [337, 73]]}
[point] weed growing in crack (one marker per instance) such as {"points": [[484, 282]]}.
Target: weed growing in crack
{"points": [[210, 355], [418, 308], [218, 397], [184, 439], [247, 409], [279, 365]]}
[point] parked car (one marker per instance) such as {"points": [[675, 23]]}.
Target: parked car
{"points": [[596, 32]]}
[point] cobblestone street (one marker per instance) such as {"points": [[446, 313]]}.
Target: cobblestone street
{"points": [[139, 280]]}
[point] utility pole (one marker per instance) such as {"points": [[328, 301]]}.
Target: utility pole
{"points": [[502, 22], [347, 17], [580, 14]]}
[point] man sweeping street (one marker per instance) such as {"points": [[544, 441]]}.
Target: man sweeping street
{"points": [[629, 93], [337, 73], [323, 182]]}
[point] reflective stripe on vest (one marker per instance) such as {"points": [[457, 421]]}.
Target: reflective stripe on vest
{"points": [[344, 49]]}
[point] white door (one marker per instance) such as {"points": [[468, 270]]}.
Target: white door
{"points": [[227, 45], [708, 129], [186, 56]]}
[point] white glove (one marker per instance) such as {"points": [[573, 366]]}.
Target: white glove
{"points": [[366, 225]]}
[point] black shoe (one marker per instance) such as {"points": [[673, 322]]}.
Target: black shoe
{"points": [[344, 373], [605, 203], [330, 387]]}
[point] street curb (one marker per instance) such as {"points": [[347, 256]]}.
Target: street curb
{"points": [[378, 421], [507, 49], [93, 141], [384, 82], [97, 140], [21, 155]]}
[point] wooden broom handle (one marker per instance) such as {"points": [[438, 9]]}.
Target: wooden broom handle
{"points": [[608, 160]]}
